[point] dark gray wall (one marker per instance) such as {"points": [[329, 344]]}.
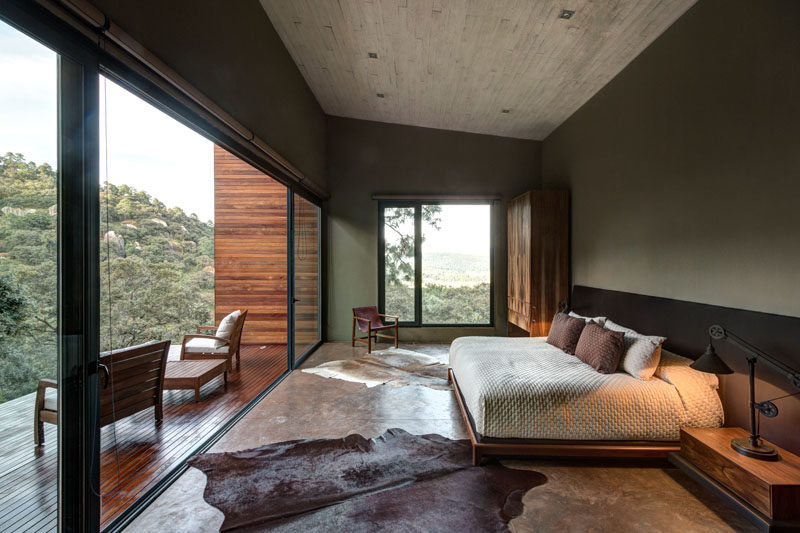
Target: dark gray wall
{"points": [[365, 158], [685, 169], [231, 52]]}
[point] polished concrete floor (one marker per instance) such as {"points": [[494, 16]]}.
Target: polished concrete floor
{"points": [[579, 495]]}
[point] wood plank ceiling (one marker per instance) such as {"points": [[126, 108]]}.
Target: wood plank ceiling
{"points": [[458, 64]]}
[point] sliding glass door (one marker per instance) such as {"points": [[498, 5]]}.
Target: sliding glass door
{"points": [[48, 280], [208, 232], [306, 296], [29, 318]]}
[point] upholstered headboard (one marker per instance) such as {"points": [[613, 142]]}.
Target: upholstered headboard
{"points": [[685, 324]]}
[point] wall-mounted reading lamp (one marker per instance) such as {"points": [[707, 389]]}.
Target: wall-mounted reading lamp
{"points": [[711, 363]]}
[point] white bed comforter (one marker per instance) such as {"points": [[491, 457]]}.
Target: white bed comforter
{"points": [[525, 388]]}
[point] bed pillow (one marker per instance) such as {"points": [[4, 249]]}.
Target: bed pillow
{"points": [[598, 319], [600, 348], [565, 332], [642, 352]]}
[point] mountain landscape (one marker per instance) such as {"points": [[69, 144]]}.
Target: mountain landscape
{"points": [[455, 290], [156, 270]]}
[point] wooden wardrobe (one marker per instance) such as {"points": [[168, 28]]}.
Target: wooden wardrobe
{"points": [[538, 258]]}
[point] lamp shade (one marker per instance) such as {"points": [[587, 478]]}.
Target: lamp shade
{"points": [[711, 363]]}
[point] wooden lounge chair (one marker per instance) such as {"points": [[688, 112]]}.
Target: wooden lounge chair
{"points": [[369, 321], [132, 380], [219, 345]]}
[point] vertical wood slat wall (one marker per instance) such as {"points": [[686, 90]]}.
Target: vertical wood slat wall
{"points": [[538, 258], [250, 248]]}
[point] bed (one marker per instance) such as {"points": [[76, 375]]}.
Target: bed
{"points": [[522, 396]]}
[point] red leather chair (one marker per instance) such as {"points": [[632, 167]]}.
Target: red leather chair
{"points": [[369, 322]]}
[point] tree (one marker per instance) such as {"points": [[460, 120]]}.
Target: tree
{"points": [[399, 248], [12, 308], [15, 371]]}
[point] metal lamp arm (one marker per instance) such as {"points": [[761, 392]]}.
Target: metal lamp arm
{"points": [[718, 332]]}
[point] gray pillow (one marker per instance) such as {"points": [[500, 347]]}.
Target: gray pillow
{"points": [[642, 352], [596, 319]]}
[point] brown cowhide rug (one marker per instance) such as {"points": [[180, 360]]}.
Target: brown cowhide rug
{"points": [[396, 367], [397, 482]]}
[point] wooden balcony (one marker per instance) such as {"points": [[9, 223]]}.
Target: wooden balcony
{"points": [[135, 453]]}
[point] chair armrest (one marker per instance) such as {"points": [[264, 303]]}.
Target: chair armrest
{"points": [[361, 325], [47, 383], [205, 328], [193, 336], [40, 389], [396, 318]]}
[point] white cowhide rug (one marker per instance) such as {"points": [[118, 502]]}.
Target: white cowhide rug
{"points": [[394, 367]]}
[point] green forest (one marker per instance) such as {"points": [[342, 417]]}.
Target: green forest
{"points": [[454, 290], [156, 272]]}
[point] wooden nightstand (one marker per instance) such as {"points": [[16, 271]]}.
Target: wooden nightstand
{"points": [[768, 492]]}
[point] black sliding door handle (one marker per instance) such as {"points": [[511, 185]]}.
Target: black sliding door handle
{"points": [[104, 372]]}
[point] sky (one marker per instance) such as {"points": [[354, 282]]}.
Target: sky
{"points": [[27, 97], [464, 230], [147, 149]]}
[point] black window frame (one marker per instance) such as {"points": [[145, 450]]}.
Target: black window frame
{"points": [[418, 321]]}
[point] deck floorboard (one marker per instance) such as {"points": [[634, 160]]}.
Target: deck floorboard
{"points": [[144, 452]]}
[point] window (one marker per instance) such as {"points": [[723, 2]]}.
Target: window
{"points": [[435, 263]]}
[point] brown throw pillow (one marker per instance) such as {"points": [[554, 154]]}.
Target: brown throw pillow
{"points": [[601, 348], [565, 332]]}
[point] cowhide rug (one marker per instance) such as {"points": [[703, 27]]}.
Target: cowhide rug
{"points": [[394, 366], [398, 482]]}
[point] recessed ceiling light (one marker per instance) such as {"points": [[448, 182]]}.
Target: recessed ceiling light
{"points": [[372, 55], [380, 95], [506, 111], [566, 13]]}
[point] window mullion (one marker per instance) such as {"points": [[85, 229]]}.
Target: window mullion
{"points": [[418, 264]]}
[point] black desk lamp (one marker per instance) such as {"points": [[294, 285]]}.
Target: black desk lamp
{"points": [[710, 362]]}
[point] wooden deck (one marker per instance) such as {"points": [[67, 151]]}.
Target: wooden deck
{"points": [[134, 454]]}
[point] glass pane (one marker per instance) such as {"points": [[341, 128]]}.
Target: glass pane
{"points": [[306, 272], [398, 229], [456, 277], [28, 282], [156, 223], [189, 235]]}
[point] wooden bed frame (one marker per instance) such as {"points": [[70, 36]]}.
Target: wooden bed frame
{"points": [[553, 448]]}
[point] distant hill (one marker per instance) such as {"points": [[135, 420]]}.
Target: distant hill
{"points": [[160, 261], [455, 269], [456, 289]]}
